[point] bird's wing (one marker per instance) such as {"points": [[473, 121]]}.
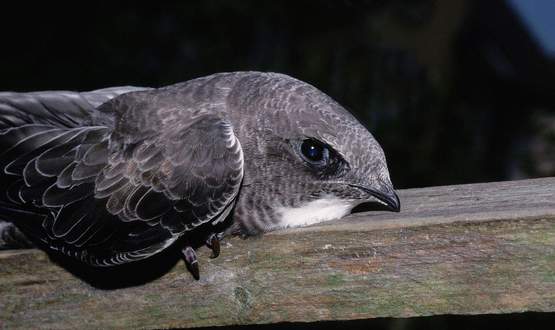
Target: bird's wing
{"points": [[119, 194], [58, 108]]}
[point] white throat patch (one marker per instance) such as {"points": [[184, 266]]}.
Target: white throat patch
{"points": [[320, 210]]}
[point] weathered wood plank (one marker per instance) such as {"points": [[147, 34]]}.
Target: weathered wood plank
{"points": [[483, 248]]}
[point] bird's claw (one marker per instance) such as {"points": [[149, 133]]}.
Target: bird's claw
{"points": [[213, 243], [191, 261], [190, 256]]}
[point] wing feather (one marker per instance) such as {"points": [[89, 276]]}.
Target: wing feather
{"points": [[113, 194]]}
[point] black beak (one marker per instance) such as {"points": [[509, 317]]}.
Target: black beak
{"points": [[389, 198]]}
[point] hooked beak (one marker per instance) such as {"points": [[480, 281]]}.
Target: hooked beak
{"points": [[388, 197]]}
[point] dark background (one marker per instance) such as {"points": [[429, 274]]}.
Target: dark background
{"points": [[455, 91]]}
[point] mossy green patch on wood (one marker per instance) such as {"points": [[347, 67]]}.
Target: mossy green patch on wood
{"points": [[335, 280]]}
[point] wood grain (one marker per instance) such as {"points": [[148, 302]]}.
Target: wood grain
{"points": [[467, 249]]}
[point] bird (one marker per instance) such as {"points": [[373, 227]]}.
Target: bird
{"points": [[116, 175]]}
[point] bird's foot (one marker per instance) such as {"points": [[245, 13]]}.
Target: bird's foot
{"points": [[190, 256], [213, 243], [191, 261]]}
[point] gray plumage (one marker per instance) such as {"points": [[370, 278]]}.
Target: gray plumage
{"points": [[120, 174]]}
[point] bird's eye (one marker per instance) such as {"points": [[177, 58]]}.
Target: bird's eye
{"points": [[314, 151]]}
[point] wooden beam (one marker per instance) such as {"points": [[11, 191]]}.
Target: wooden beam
{"points": [[468, 249]]}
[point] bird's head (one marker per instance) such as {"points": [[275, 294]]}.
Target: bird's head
{"points": [[307, 159]]}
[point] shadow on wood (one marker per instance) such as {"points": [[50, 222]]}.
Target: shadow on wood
{"points": [[122, 276]]}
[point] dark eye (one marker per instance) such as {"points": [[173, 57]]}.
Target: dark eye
{"points": [[314, 151]]}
